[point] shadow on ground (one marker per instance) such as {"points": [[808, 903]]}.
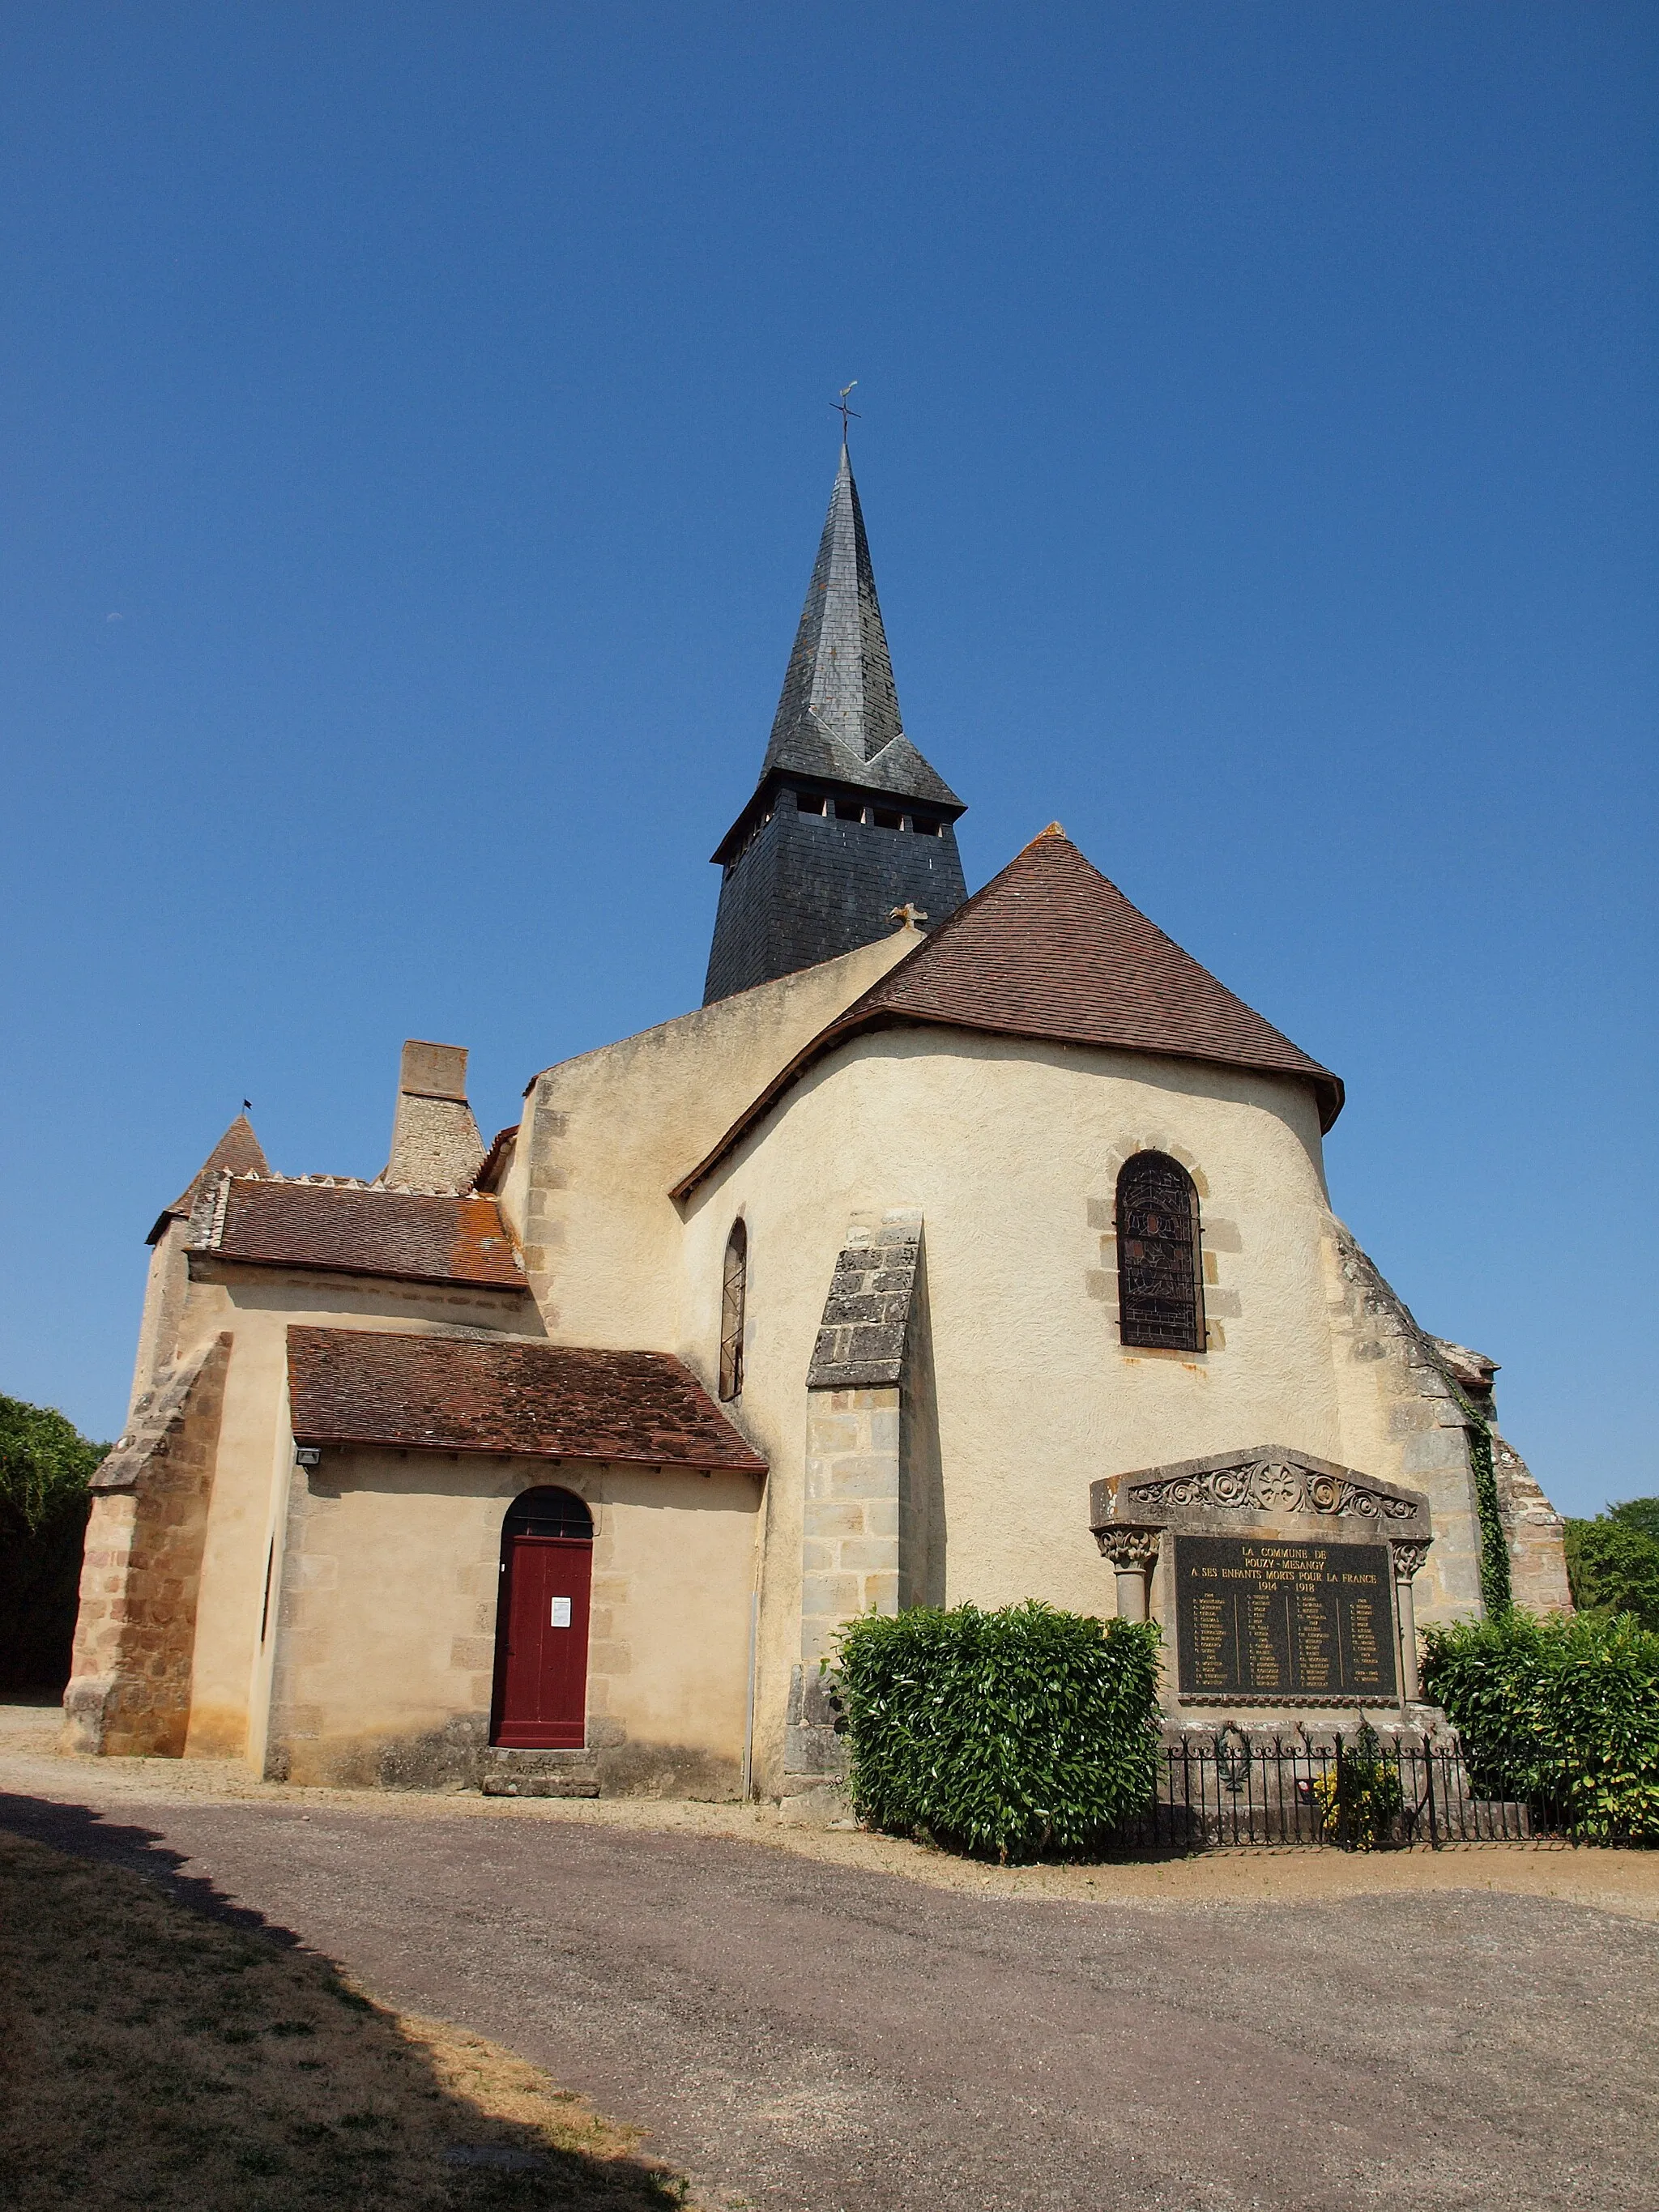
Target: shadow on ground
{"points": [[169, 2047]]}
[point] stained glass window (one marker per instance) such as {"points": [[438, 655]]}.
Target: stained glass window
{"points": [[1160, 1279], [733, 1288]]}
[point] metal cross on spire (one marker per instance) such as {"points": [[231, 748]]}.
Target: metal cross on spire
{"points": [[848, 414]]}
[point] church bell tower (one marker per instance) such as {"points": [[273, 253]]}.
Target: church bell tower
{"points": [[848, 822]]}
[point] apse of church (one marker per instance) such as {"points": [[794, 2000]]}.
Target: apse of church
{"points": [[953, 1249]]}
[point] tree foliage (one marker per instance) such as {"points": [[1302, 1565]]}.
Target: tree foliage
{"points": [[45, 1466], [1612, 1561], [1563, 1711], [1007, 1733]]}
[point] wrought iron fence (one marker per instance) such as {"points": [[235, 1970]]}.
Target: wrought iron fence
{"points": [[1361, 1793]]}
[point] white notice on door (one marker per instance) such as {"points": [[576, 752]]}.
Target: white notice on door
{"points": [[561, 1612]]}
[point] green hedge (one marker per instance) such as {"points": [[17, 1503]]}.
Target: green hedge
{"points": [[45, 1464], [1007, 1733], [1564, 1711]]}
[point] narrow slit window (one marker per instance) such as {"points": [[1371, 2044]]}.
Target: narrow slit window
{"points": [[1160, 1275], [734, 1287]]}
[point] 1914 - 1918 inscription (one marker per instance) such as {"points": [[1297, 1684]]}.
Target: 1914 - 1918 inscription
{"points": [[1262, 1619]]}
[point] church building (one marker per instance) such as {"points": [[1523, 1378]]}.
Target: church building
{"points": [[955, 1249]]}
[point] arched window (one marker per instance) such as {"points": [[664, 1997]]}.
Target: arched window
{"points": [[547, 1513], [1160, 1272], [734, 1285]]}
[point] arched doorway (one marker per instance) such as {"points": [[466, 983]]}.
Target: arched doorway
{"points": [[541, 1623]]}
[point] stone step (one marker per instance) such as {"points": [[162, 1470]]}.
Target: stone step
{"points": [[538, 1774]]}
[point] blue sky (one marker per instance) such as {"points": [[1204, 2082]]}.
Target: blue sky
{"points": [[415, 436]]}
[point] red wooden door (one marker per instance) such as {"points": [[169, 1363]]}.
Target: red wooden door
{"points": [[542, 1701]]}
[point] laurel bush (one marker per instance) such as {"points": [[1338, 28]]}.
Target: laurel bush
{"points": [[1562, 1712], [1003, 1733]]}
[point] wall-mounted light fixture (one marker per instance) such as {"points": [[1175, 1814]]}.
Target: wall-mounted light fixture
{"points": [[308, 1456]]}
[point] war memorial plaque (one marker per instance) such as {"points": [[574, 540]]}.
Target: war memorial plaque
{"points": [[1261, 1618]]}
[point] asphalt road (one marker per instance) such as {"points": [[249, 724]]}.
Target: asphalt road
{"points": [[806, 2036]]}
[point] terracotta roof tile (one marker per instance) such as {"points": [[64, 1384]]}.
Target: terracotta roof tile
{"points": [[361, 1230], [473, 1395], [1051, 949]]}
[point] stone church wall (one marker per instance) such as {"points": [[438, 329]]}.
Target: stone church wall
{"points": [[243, 1544], [1008, 1150], [132, 1676], [606, 1135], [387, 1617], [1406, 1417]]}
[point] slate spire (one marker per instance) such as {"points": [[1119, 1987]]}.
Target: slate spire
{"points": [[838, 714], [841, 672], [881, 835]]}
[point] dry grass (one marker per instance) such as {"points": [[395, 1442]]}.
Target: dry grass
{"points": [[153, 2056]]}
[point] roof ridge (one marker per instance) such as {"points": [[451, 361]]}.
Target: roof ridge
{"points": [[363, 1182]]}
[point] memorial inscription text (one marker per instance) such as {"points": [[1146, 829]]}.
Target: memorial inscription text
{"points": [[1256, 1617]]}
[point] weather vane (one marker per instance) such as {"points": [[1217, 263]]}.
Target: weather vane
{"points": [[848, 414]]}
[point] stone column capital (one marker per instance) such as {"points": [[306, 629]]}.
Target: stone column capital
{"points": [[1129, 1548], [1409, 1555]]}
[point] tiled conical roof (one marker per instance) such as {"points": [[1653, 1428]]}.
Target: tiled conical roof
{"points": [[1051, 949], [239, 1150]]}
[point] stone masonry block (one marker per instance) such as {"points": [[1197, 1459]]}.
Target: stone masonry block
{"points": [[871, 1554], [819, 1557], [831, 1596], [829, 1434], [1440, 1448], [882, 1591], [472, 1652], [817, 1636], [828, 1518], [864, 1478], [881, 1516]]}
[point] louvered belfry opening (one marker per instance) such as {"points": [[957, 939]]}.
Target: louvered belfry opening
{"points": [[1160, 1275], [734, 1287]]}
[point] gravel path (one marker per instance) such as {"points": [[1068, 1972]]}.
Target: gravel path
{"points": [[800, 2033]]}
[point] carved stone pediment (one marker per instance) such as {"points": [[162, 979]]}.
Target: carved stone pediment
{"points": [[1263, 1486]]}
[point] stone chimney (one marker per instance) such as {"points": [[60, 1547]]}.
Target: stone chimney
{"points": [[436, 1145]]}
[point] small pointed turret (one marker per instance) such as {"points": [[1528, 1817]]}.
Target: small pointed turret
{"points": [[849, 822], [239, 1150]]}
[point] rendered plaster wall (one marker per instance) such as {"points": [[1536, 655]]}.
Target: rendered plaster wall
{"points": [[244, 1536], [387, 1620], [1010, 1150], [604, 1137]]}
